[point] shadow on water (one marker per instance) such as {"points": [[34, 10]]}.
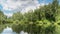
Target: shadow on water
{"points": [[9, 30]]}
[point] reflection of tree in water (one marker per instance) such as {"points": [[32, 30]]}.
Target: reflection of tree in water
{"points": [[39, 21]]}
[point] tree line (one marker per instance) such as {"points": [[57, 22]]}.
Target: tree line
{"points": [[40, 21]]}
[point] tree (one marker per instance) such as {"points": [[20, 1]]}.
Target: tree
{"points": [[17, 16], [3, 17]]}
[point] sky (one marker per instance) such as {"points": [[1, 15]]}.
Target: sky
{"points": [[10, 6]]}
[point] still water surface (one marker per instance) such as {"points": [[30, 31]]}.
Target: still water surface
{"points": [[9, 30]]}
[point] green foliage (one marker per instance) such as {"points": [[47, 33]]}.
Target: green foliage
{"points": [[44, 20], [2, 17]]}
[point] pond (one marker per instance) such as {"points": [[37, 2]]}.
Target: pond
{"points": [[9, 30]]}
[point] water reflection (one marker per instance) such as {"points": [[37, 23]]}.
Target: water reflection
{"points": [[22, 32], [25, 33], [9, 30]]}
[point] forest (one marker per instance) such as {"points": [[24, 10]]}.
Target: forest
{"points": [[43, 20]]}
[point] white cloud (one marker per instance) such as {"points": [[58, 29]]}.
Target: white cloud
{"points": [[14, 4], [19, 5], [8, 14]]}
